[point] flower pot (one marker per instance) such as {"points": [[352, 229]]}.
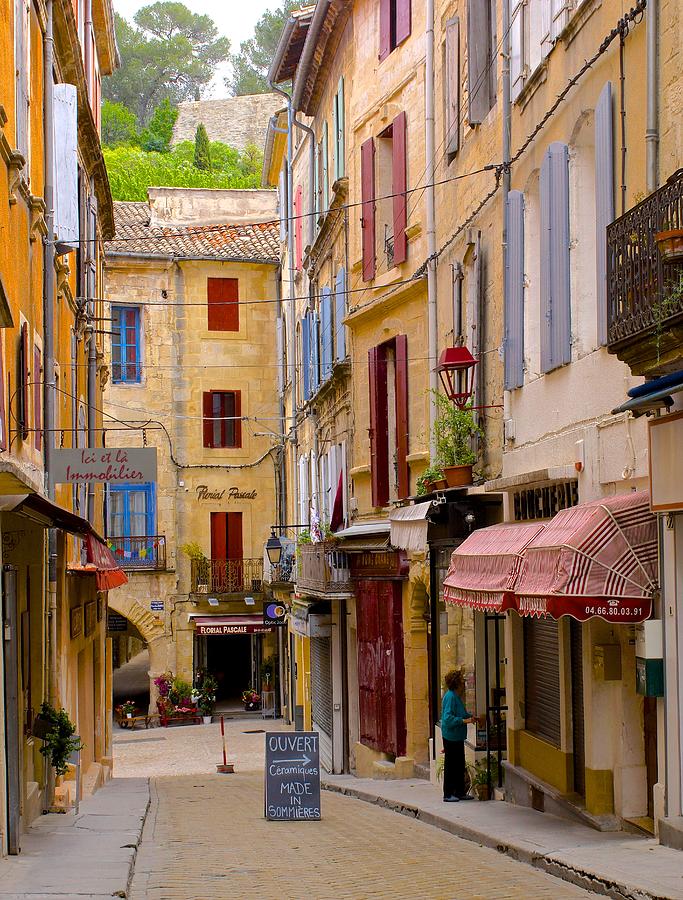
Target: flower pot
{"points": [[207, 719], [438, 485], [482, 791], [458, 476], [670, 244], [41, 728], [129, 715]]}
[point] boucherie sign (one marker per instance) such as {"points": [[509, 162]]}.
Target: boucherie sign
{"points": [[106, 465]]}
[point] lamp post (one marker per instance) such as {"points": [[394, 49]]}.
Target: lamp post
{"points": [[456, 371]]}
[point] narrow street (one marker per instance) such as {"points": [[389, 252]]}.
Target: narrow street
{"points": [[205, 835]]}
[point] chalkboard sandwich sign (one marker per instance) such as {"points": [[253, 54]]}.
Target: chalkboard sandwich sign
{"points": [[292, 776]]}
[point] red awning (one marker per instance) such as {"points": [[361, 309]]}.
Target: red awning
{"points": [[485, 566], [220, 625], [108, 573], [595, 559]]}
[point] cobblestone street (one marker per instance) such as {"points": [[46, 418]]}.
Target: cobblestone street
{"points": [[205, 836]]}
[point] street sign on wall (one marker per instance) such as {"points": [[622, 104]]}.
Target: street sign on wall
{"points": [[292, 776], [105, 465]]}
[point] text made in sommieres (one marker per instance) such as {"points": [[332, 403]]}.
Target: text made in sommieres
{"points": [[114, 468], [232, 493]]}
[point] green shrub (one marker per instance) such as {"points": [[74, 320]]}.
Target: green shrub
{"points": [[119, 125], [202, 151], [59, 742], [159, 133]]}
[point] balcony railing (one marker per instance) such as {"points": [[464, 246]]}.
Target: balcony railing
{"points": [[140, 553], [227, 576], [643, 290], [323, 570]]}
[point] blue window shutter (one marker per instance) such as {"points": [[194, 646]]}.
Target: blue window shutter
{"points": [[604, 198], [339, 315], [315, 352], [316, 186], [514, 298], [555, 289], [326, 336], [326, 178], [341, 139], [335, 137], [306, 356]]}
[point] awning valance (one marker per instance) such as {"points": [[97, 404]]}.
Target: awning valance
{"points": [[408, 526], [595, 559], [108, 573], [484, 568]]}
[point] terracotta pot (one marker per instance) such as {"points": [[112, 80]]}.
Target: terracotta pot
{"points": [[670, 244], [439, 485], [458, 476]]}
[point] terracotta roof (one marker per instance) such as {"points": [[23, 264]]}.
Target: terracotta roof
{"points": [[246, 243]]}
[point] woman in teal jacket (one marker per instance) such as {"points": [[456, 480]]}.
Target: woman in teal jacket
{"points": [[454, 722]]}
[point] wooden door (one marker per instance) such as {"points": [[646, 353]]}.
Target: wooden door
{"points": [[381, 676], [650, 729], [578, 728]]}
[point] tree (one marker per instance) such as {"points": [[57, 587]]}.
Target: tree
{"points": [[202, 153], [169, 53], [159, 133], [119, 126], [250, 66]]}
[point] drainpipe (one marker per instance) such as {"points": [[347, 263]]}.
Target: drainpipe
{"points": [[311, 166], [87, 49], [652, 130], [432, 313], [505, 182], [92, 414], [282, 511]]}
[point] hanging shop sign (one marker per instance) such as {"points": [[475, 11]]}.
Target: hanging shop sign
{"points": [[292, 776], [204, 492], [274, 614], [665, 436], [218, 626], [105, 465]]}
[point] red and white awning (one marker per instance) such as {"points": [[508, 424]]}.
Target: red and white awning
{"points": [[108, 573], [484, 568], [595, 559]]}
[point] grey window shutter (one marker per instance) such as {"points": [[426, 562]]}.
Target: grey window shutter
{"points": [[452, 76], [478, 58], [514, 295], [326, 333], [555, 289], [65, 117], [339, 315], [604, 199]]}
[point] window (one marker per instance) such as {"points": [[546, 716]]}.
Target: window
{"points": [[23, 383], [126, 363], [22, 80], [388, 381], [299, 227], [310, 353], [131, 510], [222, 423], [36, 378], [222, 295], [451, 81], [394, 25], [338, 138], [514, 296], [339, 316], [481, 58]]}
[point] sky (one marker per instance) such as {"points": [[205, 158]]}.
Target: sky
{"points": [[234, 19]]}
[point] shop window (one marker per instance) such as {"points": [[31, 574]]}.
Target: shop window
{"points": [[222, 424], [126, 358]]}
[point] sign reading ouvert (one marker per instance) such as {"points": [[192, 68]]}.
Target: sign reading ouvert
{"points": [[292, 776], [106, 465]]}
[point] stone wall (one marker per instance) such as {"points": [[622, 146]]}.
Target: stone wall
{"points": [[236, 121]]}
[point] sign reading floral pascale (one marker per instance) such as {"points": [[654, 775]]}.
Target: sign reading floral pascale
{"points": [[106, 465]]}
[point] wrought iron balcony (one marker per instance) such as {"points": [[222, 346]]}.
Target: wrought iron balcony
{"points": [[227, 576], [139, 553], [323, 570], [644, 289]]}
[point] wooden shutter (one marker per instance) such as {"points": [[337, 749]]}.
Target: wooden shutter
{"points": [[478, 59], [37, 400], [299, 227], [452, 78], [21, 42], [604, 199], [282, 204], [234, 537], [339, 315], [315, 351], [219, 535], [517, 55], [403, 23], [222, 295], [399, 186], [23, 382], [542, 678], [367, 186], [306, 356], [3, 423], [560, 16], [207, 406], [326, 176], [326, 333], [237, 422], [340, 141], [335, 138], [402, 434], [379, 451], [384, 29], [555, 288], [514, 298]]}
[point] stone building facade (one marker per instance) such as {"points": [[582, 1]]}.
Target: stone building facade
{"points": [[239, 122]]}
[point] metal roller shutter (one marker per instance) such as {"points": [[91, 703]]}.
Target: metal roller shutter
{"points": [[321, 696], [542, 678]]}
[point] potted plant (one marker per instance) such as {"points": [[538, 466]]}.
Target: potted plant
{"points": [[454, 431], [670, 242], [432, 479], [206, 697], [60, 739], [479, 777], [200, 565], [251, 699], [128, 709], [267, 672]]}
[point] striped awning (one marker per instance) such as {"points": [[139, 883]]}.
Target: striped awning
{"points": [[408, 526], [484, 568], [595, 559]]}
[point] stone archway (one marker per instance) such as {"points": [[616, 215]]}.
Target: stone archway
{"points": [[152, 631]]}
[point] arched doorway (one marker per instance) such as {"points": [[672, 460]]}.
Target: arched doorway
{"points": [[142, 650]]}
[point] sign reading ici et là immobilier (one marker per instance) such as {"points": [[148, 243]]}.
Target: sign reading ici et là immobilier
{"points": [[105, 465], [292, 776]]}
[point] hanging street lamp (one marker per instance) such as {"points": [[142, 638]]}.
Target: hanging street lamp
{"points": [[456, 371]]}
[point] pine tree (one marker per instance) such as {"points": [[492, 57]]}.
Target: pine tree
{"points": [[202, 151]]}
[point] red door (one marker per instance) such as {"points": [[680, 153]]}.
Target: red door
{"points": [[381, 677], [227, 569]]}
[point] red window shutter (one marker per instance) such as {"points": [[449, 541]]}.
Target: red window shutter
{"points": [[403, 470], [222, 295], [299, 226], [367, 187], [37, 400], [234, 542], [3, 423], [379, 451], [219, 535], [237, 422], [385, 47], [208, 418], [23, 375], [402, 21], [398, 188]]}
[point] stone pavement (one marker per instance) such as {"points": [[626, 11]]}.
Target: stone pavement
{"points": [[90, 855], [614, 864]]}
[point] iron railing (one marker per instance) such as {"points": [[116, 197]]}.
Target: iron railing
{"points": [[144, 553], [323, 569], [227, 576], [640, 285]]}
